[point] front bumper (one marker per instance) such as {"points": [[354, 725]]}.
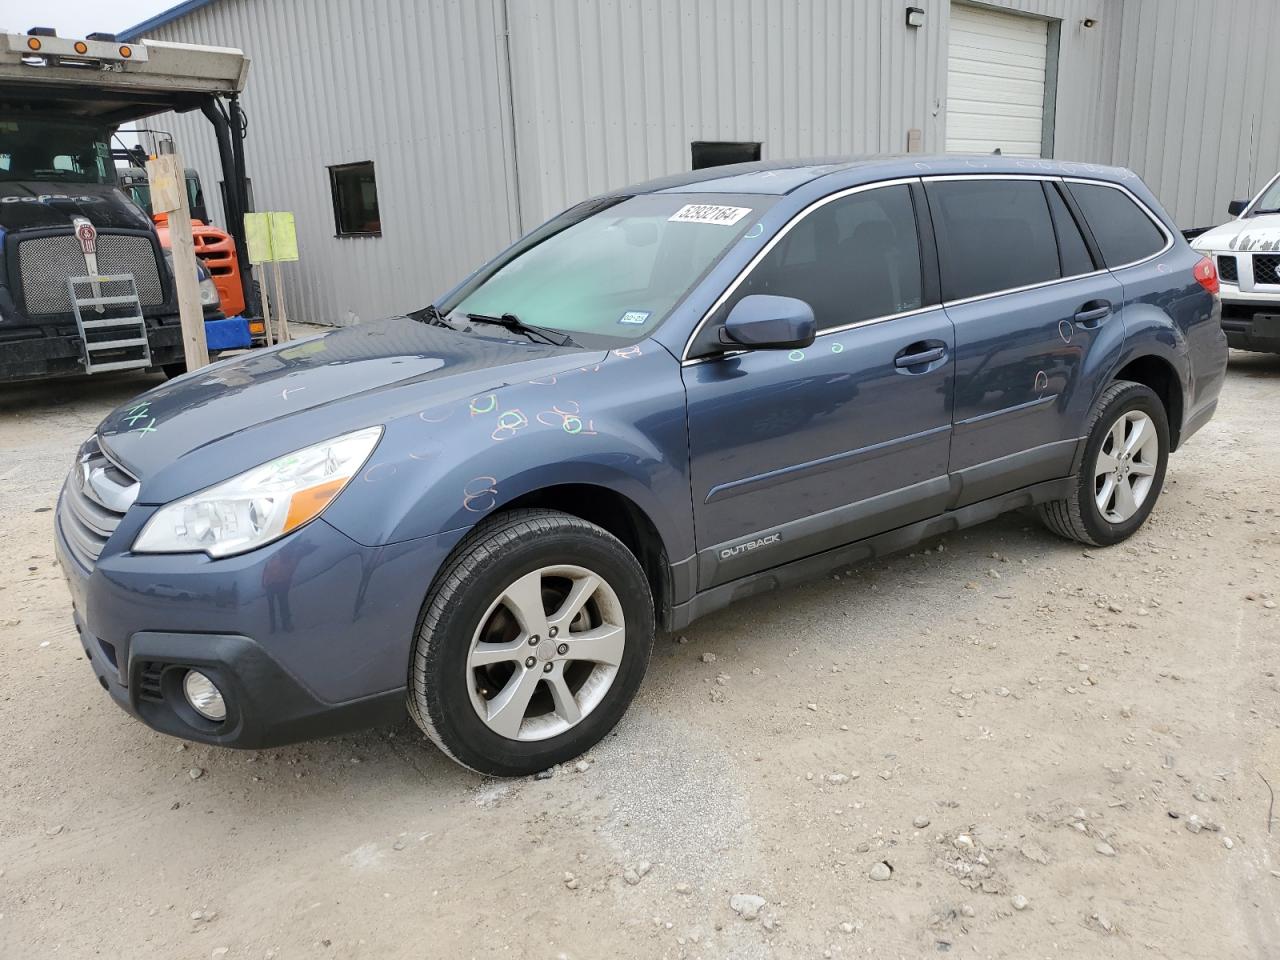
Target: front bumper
{"points": [[49, 353], [1252, 324], [307, 637]]}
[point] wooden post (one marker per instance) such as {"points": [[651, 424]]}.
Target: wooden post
{"points": [[266, 313], [280, 308], [168, 181]]}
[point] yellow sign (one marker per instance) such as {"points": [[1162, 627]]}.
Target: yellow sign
{"points": [[270, 236]]}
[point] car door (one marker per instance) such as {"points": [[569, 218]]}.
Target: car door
{"points": [[796, 452], [1033, 314]]}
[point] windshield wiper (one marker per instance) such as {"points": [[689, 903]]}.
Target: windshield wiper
{"points": [[530, 330], [431, 314]]}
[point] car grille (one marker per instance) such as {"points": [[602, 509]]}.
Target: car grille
{"points": [[47, 262], [1228, 269], [1266, 268], [150, 685], [94, 500]]}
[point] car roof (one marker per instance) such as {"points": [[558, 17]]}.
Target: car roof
{"points": [[777, 177]]}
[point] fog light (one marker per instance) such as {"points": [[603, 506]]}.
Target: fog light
{"points": [[205, 698]]}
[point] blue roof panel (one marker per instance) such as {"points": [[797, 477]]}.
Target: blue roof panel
{"points": [[140, 30]]}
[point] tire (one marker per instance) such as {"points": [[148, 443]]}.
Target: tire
{"points": [[1115, 417], [475, 657]]}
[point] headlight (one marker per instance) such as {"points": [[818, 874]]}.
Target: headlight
{"points": [[209, 292], [208, 289], [262, 504]]}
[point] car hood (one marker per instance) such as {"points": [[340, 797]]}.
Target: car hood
{"points": [[325, 385], [44, 204], [1250, 235]]}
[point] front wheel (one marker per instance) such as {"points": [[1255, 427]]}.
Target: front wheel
{"points": [[532, 643], [1122, 470]]}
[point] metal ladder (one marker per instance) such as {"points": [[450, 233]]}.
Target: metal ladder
{"points": [[131, 328]]}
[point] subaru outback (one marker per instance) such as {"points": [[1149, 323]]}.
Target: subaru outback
{"points": [[660, 402]]}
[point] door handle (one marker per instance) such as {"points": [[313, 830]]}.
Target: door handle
{"points": [[922, 357], [1093, 313]]}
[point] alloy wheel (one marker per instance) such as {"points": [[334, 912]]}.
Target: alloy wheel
{"points": [[546, 652], [1126, 466]]}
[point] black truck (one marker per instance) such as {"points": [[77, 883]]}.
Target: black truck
{"points": [[85, 285]]}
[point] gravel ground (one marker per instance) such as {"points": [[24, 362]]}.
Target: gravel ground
{"points": [[1048, 752]]}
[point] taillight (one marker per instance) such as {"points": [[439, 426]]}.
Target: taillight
{"points": [[1207, 275]]}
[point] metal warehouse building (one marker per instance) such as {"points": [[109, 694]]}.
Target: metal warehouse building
{"points": [[415, 138]]}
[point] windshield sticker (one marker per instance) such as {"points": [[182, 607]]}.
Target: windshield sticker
{"points": [[708, 213], [634, 316]]}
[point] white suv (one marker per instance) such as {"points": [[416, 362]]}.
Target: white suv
{"points": [[1247, 254]]}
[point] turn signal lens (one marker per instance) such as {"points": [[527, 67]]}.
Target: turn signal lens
{"points": [[81, 47], [1206, 275], [126, 52], [33, 43]]}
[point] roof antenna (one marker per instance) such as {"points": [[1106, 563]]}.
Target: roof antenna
{"points": [[996, 152]]}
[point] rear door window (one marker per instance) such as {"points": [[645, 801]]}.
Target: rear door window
{"points": [[993, 235], [1123, 232], [852, 259], [1071, 246]]}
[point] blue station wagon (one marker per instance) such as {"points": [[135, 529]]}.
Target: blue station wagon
{"points": [[662, 401]]}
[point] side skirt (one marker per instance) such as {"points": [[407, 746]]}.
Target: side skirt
{"points": [[810, 568]]}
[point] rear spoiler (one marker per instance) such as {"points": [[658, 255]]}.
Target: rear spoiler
{"points": [[1194, 232]]}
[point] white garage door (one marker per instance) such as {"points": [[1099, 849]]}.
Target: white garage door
{"points": [[995, 82]]}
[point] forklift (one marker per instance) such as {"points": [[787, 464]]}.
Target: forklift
{"points": [[85, 283]]}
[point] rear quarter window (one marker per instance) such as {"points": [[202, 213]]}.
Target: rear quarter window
{"points": [[1124, 233]]}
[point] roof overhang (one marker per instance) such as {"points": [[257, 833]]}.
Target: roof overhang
{"points": [[160, 19]]}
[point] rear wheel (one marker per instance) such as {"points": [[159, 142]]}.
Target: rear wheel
{"points": [[1121, 472], [532, 643]]}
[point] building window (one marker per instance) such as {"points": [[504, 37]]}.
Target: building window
{"points": [[715, 153], [355, 200]]}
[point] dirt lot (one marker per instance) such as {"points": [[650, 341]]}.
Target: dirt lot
{"points": [[997, 717]]}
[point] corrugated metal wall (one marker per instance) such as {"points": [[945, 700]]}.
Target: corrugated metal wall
{"points": [[609, 92], [419, 88], [614, 91], [1198, 106]]}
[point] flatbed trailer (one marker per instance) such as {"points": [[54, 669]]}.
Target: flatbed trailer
{"points": [[83, 282]]}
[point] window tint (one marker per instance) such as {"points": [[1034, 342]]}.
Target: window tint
{"points": [[992, 235], [851, 259], [355, 200], [1071, 245], [1123, 232]]}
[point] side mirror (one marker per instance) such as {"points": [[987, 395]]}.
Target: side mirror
{"points": [[1236, 207], [764, 322]]}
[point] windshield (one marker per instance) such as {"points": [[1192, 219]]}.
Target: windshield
{"points": [[66, 151], [609, 272], [1269, 201]]}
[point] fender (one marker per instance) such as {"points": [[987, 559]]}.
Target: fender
{"points": [[615, 423]]}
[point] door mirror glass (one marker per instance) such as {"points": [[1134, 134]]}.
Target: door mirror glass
{"points": [[1236, 207], [764, 322]]}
